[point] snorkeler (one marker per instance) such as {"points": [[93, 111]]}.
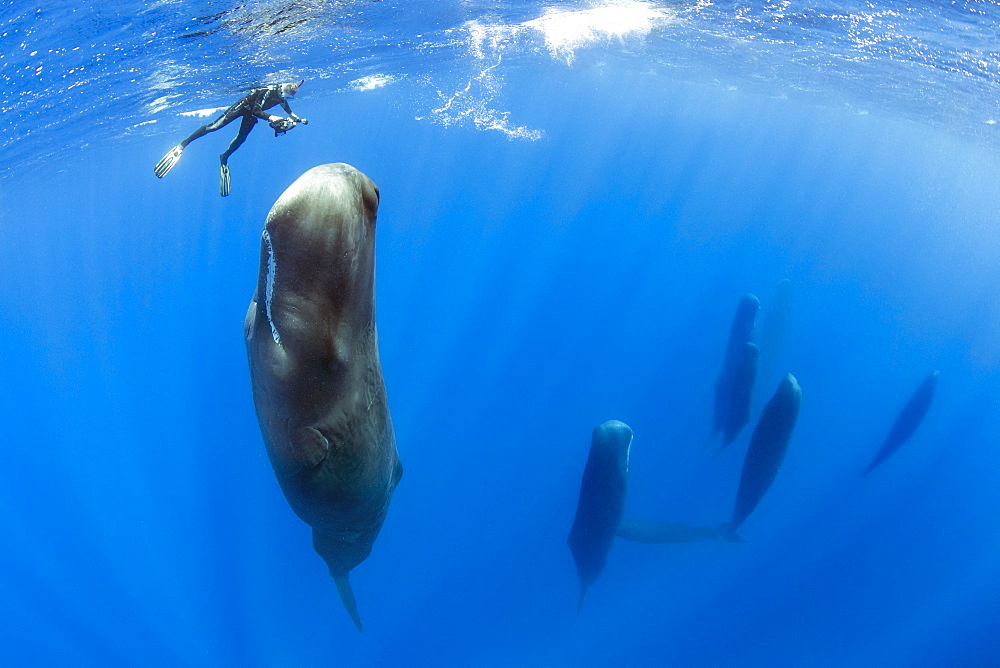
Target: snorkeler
{"points": [[250, 107]]}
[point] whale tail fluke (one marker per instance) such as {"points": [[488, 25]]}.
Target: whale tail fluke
{"points": [[727, 534], [347, 596]]}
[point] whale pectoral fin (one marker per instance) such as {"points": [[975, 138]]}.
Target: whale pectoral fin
{"points": [[397, 473], [309, 447], [303, 448], [250, 319], [347, 597]]}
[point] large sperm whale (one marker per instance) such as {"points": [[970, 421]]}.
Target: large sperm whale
{"points": [[314, 365], [602, 501], [907, 421]]}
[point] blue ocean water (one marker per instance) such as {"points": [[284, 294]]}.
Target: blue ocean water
{"points": [[573, 198]]}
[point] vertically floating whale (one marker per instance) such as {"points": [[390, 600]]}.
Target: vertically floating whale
{"points": [[734, 386], [740, 394], [602, 501], [907, 421], [314, 365], [768, 445]]}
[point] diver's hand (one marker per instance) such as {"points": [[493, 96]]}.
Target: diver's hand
{"points": [[303, 121]]}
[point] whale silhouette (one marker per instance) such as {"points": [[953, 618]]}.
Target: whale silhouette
{"points": [[734, 385], [602, 501], [767, 448], [907, 421]]}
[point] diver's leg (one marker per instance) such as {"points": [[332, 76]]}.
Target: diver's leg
{"points": [[223, 120], [245, 127], [168, 161]]}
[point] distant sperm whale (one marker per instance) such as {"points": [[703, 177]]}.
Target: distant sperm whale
{"points": [[744, 375], [602, 501], [768, 445], [734, 385], [907, 421], [661, 533], [314, 365]]}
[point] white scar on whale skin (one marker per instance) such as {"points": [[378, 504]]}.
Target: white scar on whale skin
{"points": [[272, 268]]}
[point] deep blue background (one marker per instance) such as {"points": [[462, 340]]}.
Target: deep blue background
{"points": [[527, 291]]}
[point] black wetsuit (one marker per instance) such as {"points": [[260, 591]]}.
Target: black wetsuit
{"points": [[250, 107]]}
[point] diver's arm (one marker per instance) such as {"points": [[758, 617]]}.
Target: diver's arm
{"points": [[263, 115], [252, 103], [262, 102], [291, 114]]}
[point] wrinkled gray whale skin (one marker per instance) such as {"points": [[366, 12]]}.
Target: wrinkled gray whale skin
{"points": [[653, 532], [602, 501], [314, 365], [767, 448]]}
